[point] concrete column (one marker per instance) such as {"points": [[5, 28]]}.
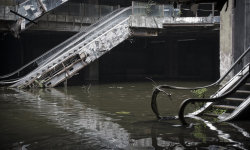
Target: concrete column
{"points": [[226, 37], [241, 27], [247, 33]]}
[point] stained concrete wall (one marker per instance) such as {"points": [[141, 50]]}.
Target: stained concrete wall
{"points": [[226, 39], [163, 58], [241, 30], [234, 34]]}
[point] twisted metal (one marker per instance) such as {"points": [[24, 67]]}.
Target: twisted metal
{"points": [[41, 59], [216, 99], [160, 88]]}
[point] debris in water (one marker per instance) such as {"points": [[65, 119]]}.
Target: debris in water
{"points": [[123, 113]]}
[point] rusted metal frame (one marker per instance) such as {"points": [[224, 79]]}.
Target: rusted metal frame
{"points": [[50, 69], [65, 69], [48, 73], [70, 60], [31, 82], [28, 82], [84, 64], [217, 99], [67, 72], [42, 75]]}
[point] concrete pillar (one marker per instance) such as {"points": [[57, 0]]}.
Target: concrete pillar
{"points": [[226, 37], [241, 27], [247, 33], [234, 34]]}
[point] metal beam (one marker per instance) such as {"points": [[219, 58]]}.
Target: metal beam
{"points": [[22, 16]]}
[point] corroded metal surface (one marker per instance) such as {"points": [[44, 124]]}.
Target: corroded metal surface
{"points": [[93, 51]]}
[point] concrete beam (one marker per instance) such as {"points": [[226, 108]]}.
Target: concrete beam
{"points": [[191, 21], [163, 22]]}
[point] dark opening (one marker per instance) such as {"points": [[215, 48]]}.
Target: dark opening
{"points": [[194, 57]]}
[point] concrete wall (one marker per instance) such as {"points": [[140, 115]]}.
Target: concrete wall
{"points": [[241, 30], [163, 58], [234, 34], [226, 39]]}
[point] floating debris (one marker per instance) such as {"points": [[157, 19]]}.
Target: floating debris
{"points": [[123, 113]]}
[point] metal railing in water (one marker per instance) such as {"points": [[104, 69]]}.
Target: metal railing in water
{"points": [[244, 75], [62, 46], [160, 88]]}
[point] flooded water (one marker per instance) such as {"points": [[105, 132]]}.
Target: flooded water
{"points": [[108, 116]]}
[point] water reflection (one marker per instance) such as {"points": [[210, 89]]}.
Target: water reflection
{"points": [[221, 134], [80, 119], [72, 115]]}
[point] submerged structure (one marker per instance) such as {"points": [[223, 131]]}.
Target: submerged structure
{"points": [[66, 59], [119, 24], [231, 101]]}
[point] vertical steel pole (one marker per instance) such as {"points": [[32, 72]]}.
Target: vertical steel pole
{"points": [[212, 9]]}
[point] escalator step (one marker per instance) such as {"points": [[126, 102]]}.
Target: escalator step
{"points": [[225, 107], [243, 91], [235, 99], [248, 84]]}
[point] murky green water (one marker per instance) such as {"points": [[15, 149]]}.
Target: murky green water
{"points": [[107, 116]]}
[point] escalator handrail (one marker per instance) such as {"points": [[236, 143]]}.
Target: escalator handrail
{"points": [[86, 35], [159, 88], [68, 40], [89, 31], [213, 99], [94, 29]]}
